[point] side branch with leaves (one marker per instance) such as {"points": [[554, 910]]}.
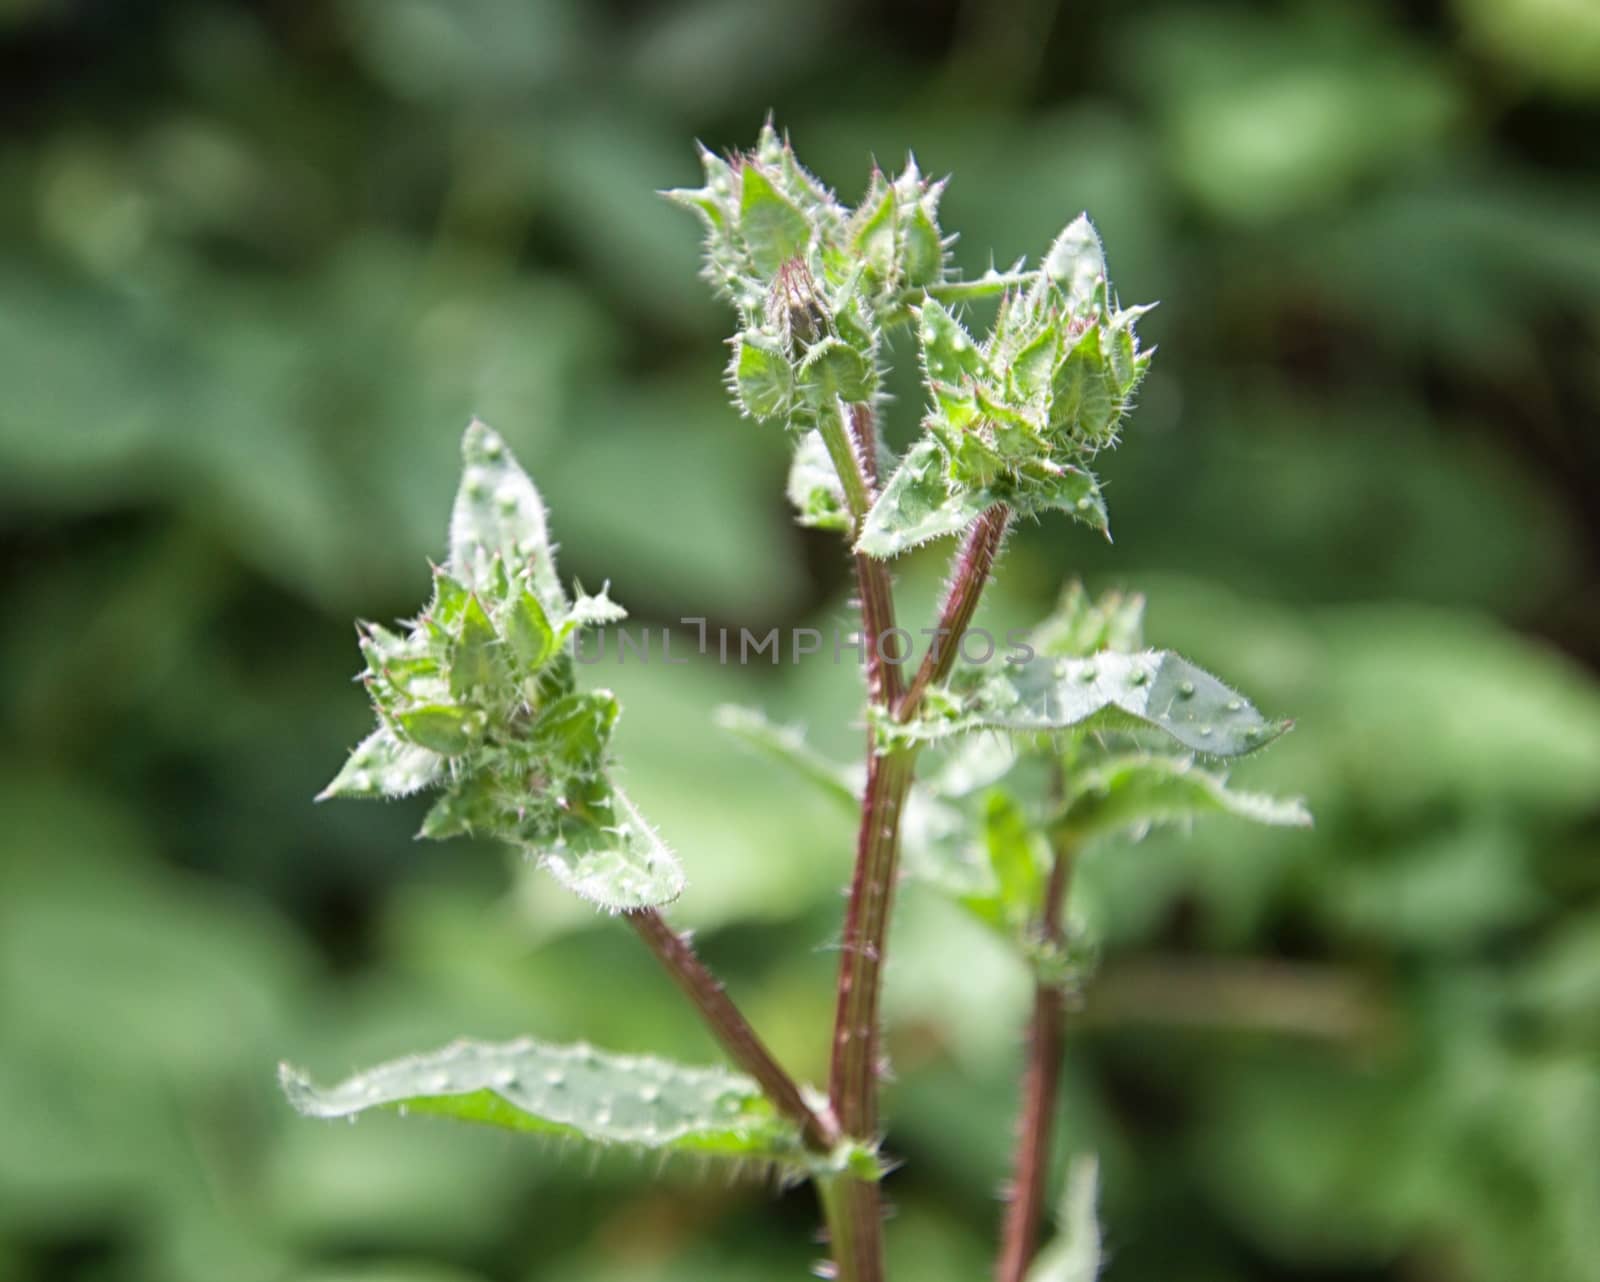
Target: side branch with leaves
{"points": [[986, 781]]}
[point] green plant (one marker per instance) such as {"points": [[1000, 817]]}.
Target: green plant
{"points": [[1078, 733]]}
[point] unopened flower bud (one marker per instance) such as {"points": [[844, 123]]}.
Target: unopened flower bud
{"points": [[795, 308]]}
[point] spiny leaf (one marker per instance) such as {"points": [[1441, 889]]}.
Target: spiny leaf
{"points": [[484, 678], [1085, 396], [916, 506], [607, 853], [383, 766], [774, 230], [528, 1085], [1141, 790], [761, 376], [950, 355], [920, 504], [473, 664], [993, 282], [1076, 492], [1151, 688], [443, 728], [592, 611], [498, 512], [1077, 263], [787, 744], [528, 631], [1074, 1256]]}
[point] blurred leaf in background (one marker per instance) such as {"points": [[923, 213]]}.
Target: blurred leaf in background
{"points": [[260, 265]]}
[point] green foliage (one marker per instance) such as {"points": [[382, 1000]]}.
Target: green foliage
{"points": [[919, 503], [1014, 417], [818, 286], [635, 1101], [980, 826], [1136, 792], [1149, 689], [478, 695], [814, 284]]}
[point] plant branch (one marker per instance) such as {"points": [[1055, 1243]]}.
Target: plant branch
{"points": [[853, 1081], [853, 1207], [1040, 1089], [851, 438], [729, 1026], [855, 1228], [972, 566], [840, 433]]}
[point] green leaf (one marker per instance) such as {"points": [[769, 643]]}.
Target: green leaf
{"points": [[384, 766], [833, 370], [441, 727], [1014, 855], [917, 505], [576, 728], [606, 853], [774, 230], [1032, 367], [498, 514], [1075, 491], [923, 247], [526, 1085], [876, 232], [1074, 1255], [760, 376], [1084, 396], [787, 744], [1151, 688], [814, 487], [528, 631], [473, 666], [1142, 790], [949, 354], [1077, 263], [474, 804]]}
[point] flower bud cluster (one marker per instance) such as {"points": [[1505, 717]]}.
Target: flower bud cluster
{"points": [[477, 695], [815, 283], [1049, 386]]}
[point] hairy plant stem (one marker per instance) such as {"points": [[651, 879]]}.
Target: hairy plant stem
{"points": [[854, 1209], [851, 438], [729, 1026], [854, 1217], [973, 562], [853, 1081], [1019, 1240]]}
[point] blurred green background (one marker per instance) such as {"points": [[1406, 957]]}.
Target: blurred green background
{"points": [[259, 263]]}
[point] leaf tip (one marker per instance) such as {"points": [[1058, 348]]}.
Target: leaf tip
{"points": [[296, 1086], [480, 442]]}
